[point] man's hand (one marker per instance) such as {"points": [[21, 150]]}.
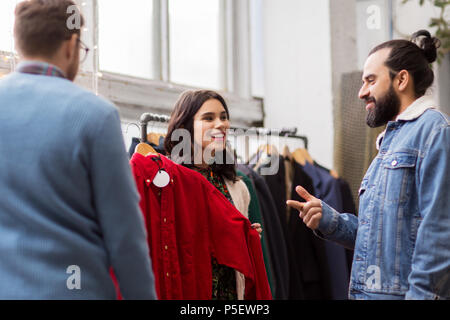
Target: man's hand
{"points": [[310, 211]]}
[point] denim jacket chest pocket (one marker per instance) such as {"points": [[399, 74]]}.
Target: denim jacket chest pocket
{"points": [[398, 177], [368, 184]]}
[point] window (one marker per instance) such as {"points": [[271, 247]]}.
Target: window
{"points": [[195, 43], [257, 47], [125, 37], [6, 24], [144, 53]]}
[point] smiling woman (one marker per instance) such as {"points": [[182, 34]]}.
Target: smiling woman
{"points": [[205, 115]]}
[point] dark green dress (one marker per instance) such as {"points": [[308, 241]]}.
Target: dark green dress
{"points": [[254, 215], [223, 277]]}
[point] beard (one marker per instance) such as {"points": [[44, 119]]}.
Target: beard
{"points": [[385, 109]]}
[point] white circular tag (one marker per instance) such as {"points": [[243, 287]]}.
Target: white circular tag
{"points": [[161, 179]]}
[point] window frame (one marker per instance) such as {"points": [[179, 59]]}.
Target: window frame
{"points": [[134, 96]]}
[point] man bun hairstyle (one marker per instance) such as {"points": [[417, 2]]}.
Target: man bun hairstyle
{"points": [[427, 43], [41, 26], [414, 56]]}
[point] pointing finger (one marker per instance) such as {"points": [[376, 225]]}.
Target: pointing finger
{"points": [[304, 194], [295, 204]]}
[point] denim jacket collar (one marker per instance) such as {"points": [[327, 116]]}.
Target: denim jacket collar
{"points": [[414, 111]]}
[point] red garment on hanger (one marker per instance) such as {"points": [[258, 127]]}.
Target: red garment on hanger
{"points": [[187, 223]]}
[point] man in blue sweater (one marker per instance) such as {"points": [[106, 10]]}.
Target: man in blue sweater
{"points": [[69, 208]]}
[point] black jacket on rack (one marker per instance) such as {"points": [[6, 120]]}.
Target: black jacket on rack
{"points": [[307, 259], [275, 234], [277, 186], [328, 189], [342, 201], [309, 249]]}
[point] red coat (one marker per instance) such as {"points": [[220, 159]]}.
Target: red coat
{"points": [[188, 222]]}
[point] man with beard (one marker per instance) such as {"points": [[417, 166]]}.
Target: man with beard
{"points": [[402, 234], [69, 209]]}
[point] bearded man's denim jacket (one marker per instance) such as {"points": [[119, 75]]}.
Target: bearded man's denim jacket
{"points": [[401, 237]]}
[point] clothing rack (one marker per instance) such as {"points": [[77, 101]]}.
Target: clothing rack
{"points": [[150, 117], [284, 132]]}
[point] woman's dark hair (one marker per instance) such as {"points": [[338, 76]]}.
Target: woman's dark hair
{"points": [[414, 56], [186, 107]]}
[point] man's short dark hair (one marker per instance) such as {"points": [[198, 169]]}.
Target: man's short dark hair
{"points": [[41, 26], [414, 56]]}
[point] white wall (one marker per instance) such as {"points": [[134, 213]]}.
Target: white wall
{"points": [[411, 17], [298, 72]]}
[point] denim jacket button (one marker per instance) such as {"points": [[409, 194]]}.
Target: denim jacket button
{"points": [[394, 163]]}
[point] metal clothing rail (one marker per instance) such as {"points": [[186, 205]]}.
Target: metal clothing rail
{"points": [[150, 117], [284, 132]]}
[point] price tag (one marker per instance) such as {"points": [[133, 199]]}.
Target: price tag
{"points": [[161, 179]]}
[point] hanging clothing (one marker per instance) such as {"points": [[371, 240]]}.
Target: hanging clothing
{"points": [[328, 189], [239, 194], [254, 215], [307, 265], [274, 232], [226, 281], [276, 185], [158, 148], [339, 194], [189, 222], [289, 179], [241, 200], [309, 251]]}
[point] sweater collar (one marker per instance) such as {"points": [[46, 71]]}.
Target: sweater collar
{"points": [[40, 68]]}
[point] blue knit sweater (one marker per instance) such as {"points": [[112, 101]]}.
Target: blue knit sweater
{"points": [[68, 202]]}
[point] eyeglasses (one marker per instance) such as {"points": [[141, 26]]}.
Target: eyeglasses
{"points": [[84, 50]]}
